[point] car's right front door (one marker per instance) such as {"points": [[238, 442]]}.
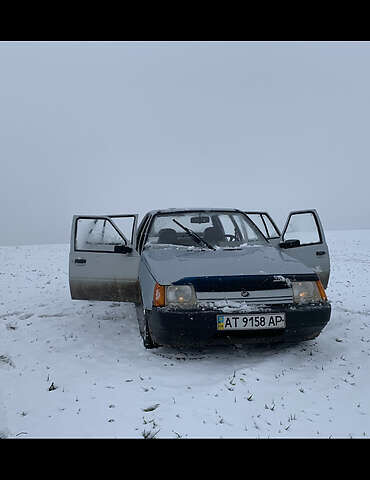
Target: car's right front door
{"points": [[302, 225], [305, 226]]}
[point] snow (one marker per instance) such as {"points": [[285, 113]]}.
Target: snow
{"points": [[79, 369]]}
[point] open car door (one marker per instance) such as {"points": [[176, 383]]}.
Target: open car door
{"points": [[303, 238], [103, 263]]}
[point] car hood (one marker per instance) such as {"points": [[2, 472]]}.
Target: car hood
{"points": [[170, 264]]}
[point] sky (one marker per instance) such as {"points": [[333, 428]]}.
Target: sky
{"points": [[127, 127]]}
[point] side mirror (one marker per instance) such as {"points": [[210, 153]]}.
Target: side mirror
{"points": [[290, 243], [122, 249]]}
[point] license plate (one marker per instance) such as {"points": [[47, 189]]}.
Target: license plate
{"points": [[251, 322]]}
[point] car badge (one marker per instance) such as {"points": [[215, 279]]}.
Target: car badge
{"points": [[244, 293]]}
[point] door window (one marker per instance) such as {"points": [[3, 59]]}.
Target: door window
{"points": [[264, 223], [270, 227], [303, 227], [97, 234], [247, 231], [257, 219], [125, 225], [227, 225]]}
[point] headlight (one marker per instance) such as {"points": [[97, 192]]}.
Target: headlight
{"points": [[306, 292], [180, 295], [177, 295]]}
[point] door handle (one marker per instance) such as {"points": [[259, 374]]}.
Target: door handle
{"points": [[320, 252], [80, 260]]}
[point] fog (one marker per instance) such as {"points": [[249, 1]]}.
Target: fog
{"points": [[127, 127]]}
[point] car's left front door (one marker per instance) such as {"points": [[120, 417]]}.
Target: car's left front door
{"points": [[103, 263]]}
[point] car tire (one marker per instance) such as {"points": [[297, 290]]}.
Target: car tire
{"points": [[147, 338], [144, 328]]}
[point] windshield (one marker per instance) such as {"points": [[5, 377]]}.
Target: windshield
{"points": [[217, 228]]}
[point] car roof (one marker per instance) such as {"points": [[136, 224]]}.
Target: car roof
{"points": [[192, 209]]}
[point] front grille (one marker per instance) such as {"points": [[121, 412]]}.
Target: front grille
{"points": [[250, 297]]}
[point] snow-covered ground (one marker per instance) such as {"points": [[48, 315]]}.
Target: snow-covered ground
{"points": [[79, 369]]}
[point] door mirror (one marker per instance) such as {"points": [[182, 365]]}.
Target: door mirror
{"points": [[122, 249], [291, 243]]}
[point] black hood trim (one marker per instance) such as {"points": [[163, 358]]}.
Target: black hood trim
{"points": [[235, 283]]}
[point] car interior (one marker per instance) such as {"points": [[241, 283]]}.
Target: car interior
{"points": [[211, 235]]}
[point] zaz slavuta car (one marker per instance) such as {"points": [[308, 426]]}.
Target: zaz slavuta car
{"points": [[206, 276]]}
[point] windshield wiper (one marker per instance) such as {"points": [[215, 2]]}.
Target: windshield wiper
{"points": [[196, 237]]}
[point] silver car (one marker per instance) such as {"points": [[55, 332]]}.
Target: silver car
{"points": [[206, 276]]}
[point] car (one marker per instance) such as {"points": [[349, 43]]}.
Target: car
{"points": [[206, 276]]}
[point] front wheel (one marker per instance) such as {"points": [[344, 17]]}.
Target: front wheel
{"points": [[144, 328], [147, 338]]}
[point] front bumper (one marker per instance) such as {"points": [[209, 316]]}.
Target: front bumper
{"points": [[198, 327]]}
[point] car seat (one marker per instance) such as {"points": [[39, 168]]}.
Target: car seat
{"points": [[167, 235], [212, 235]]}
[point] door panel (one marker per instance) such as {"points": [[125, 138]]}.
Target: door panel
{"points": [[305, 226], [96, 270]]}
